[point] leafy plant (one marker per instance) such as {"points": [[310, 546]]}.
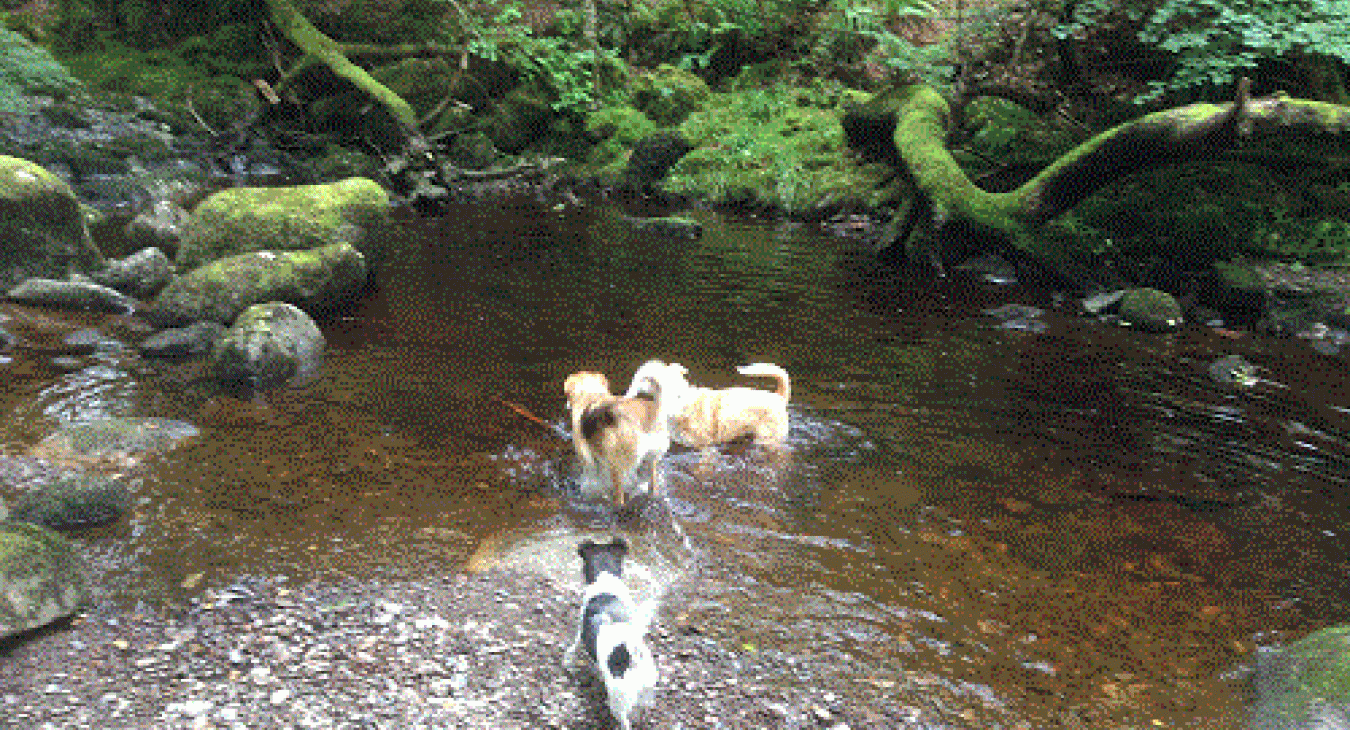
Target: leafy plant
{"points": [[28, 69], [1215, 41]]}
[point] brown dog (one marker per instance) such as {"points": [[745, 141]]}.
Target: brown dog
{"points": [[620, 441], [711, 416]]}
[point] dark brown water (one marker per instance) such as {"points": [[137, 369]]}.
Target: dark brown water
{"points": [[1077, 528]]}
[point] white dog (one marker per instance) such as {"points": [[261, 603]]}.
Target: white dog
{"points": [[612, 632], [620, 441], [711, 416]]}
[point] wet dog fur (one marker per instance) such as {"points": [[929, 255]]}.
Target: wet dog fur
{"points": [[620, 440], [712, 416], [612, 630]]}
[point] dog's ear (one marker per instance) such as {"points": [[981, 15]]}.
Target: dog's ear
{"points": [[621, 545]]}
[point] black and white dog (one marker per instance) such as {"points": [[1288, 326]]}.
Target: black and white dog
{"points": [[612, 630]]}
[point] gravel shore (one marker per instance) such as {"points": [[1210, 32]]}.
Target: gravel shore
{"points": [[455, 652]]}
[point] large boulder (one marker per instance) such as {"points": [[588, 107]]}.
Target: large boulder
{"points": [[1306, 684], [314, 280], [44, 234], [40, 578], [244, 220], [268, 346]]}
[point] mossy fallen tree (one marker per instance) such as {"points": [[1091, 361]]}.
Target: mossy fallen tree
{"points": [[942, 197], [319, 48]]}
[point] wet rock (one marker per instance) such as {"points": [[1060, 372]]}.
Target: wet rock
{"points": [[1018, 317], [1151, 310], [161, 227], [192, 341], [88, 341], [43, 230], [140, 274], [652, 158], [72, 295], [73, 500], [672, 227], [1103, 302], [40, 578], [244, 220], [268, 346], [1307, 684], [112, 442], [992, 268], [1234, 370], [314, 280]]}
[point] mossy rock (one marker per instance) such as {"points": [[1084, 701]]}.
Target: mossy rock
{"points": [[42, 228], [1151, 310], [41, 579], [269, 345], [315, 280], [74, 500], [1307, 684], [668, 95], [241, 220]]}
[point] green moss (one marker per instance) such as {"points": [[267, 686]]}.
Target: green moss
{"points": [[762, 146], [668, 95]]}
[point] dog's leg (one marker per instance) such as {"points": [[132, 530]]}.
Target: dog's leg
{"points": [[616, 478], [570, 657]]}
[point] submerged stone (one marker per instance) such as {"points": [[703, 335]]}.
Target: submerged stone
{"points": [[120, 442]]}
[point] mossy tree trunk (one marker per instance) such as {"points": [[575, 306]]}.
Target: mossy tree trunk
{"points": [[944, 194], [319, 48]]}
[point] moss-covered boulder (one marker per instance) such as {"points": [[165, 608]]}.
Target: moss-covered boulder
{"points": [[242, 220], [315, 280], [1151, 310], [40, 578], [41, 228], [668, 95], [270, 345], [617, 129], [1307, 685]]}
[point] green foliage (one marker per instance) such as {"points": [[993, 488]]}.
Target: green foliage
{"points": [[1215, 41], [28, 69], [771, 147], [1309, 240]]}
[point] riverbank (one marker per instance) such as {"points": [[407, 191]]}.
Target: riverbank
{"points": [[454, 652]]}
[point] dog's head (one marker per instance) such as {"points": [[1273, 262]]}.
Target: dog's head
{"points": [[585, 384], [654, 375], [597, 558]]}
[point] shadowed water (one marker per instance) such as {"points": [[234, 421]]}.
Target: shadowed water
{"points": [[1072, 528]]}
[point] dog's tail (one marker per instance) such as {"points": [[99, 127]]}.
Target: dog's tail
{"points": [[769, 370]]}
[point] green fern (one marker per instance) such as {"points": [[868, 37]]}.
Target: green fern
{"points": [[28, 69]]}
